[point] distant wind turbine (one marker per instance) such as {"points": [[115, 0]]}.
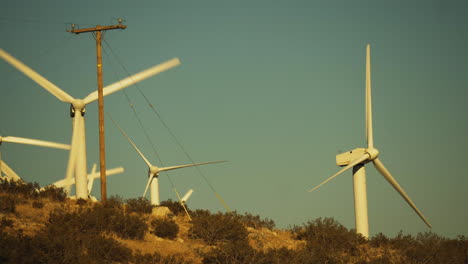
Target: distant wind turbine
{"points": [[10, 174], [356, 159], [154, 171], [91, 177], [77, 159]]}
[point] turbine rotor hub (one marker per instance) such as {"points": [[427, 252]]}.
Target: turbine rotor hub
{"points": [[373, 153], [77, 105], [154, 170]]}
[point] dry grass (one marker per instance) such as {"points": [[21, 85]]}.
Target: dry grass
{"points": [[264, 239]]}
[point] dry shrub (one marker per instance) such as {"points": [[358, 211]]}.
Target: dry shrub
{"points": [[156, 258], [7, 204], [165, 228], [37, 205], [255, 221], [140, 206], [175, 207], [328, 240], [217, 228]]}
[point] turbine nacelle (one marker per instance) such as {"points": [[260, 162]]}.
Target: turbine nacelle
{"points": [[346, 158]]}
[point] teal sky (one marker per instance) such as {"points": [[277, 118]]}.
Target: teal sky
{"points": [[274, 87]]}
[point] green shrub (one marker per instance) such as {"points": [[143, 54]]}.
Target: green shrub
{"points": [[175, 207], [165, 228], [7, 204], [217, 228], [140, 205]]}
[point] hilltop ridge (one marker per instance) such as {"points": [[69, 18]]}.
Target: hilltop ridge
{"points": [[47, 227]]}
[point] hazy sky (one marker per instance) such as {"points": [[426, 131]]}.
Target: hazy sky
{"points": [[274, 87]]}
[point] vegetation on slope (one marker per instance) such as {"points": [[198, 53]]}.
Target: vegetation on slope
{"points": [[45, 227]]}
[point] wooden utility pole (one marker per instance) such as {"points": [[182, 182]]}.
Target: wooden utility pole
{"points": [[102, 149]]}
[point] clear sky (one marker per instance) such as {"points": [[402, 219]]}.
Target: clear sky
{"points": [[274, 87]]}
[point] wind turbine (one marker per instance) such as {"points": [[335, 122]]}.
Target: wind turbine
{"points": [[10, 174], [91, 177], [356, 159], [77, 159], [153, 171]]}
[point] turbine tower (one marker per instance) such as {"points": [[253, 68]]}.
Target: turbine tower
{"points": [[358, 157], [77, 160], [9, 173], [153, 171]]}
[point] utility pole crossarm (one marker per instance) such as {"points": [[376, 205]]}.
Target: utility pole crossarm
{"points": [[97, 28]]}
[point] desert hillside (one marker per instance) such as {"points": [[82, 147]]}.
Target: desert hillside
{"points": [[44, 226]]}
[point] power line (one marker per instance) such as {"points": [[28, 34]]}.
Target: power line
{"points": [[174, 137], [132, 106]]}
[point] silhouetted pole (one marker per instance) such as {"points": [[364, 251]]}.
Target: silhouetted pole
{"points": [[102, 146]]}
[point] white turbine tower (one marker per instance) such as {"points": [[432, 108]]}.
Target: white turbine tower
{"points": [[154, 171], [356, 159], [9, 173], [77, 160]]}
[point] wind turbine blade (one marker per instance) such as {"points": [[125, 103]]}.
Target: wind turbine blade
{"points": [[188, 165], [108, 172], [352, 164], [46, 84], [369, 129], [91, 178], [381, 168], [150, 179], [133, 144], [11, 174], [115, 171], [187, 196], [35, 142], [73, 156], [117, 86], [64, 183]]}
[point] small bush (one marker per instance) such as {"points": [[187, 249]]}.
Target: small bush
{"points": [[255, 221], [156, 258], [165, 228], [175, 207], [107, 250], [5, 223], [53, 193], [27, 190], [328, 239], [139, 206], [81, 202], [37, 205], [7, 204], [217, 228], [114, 201]]}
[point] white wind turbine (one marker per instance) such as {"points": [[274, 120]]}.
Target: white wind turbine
{"points": [[153, 172], [91, 177], [77, 158], [9, 173], [356, 159]]}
